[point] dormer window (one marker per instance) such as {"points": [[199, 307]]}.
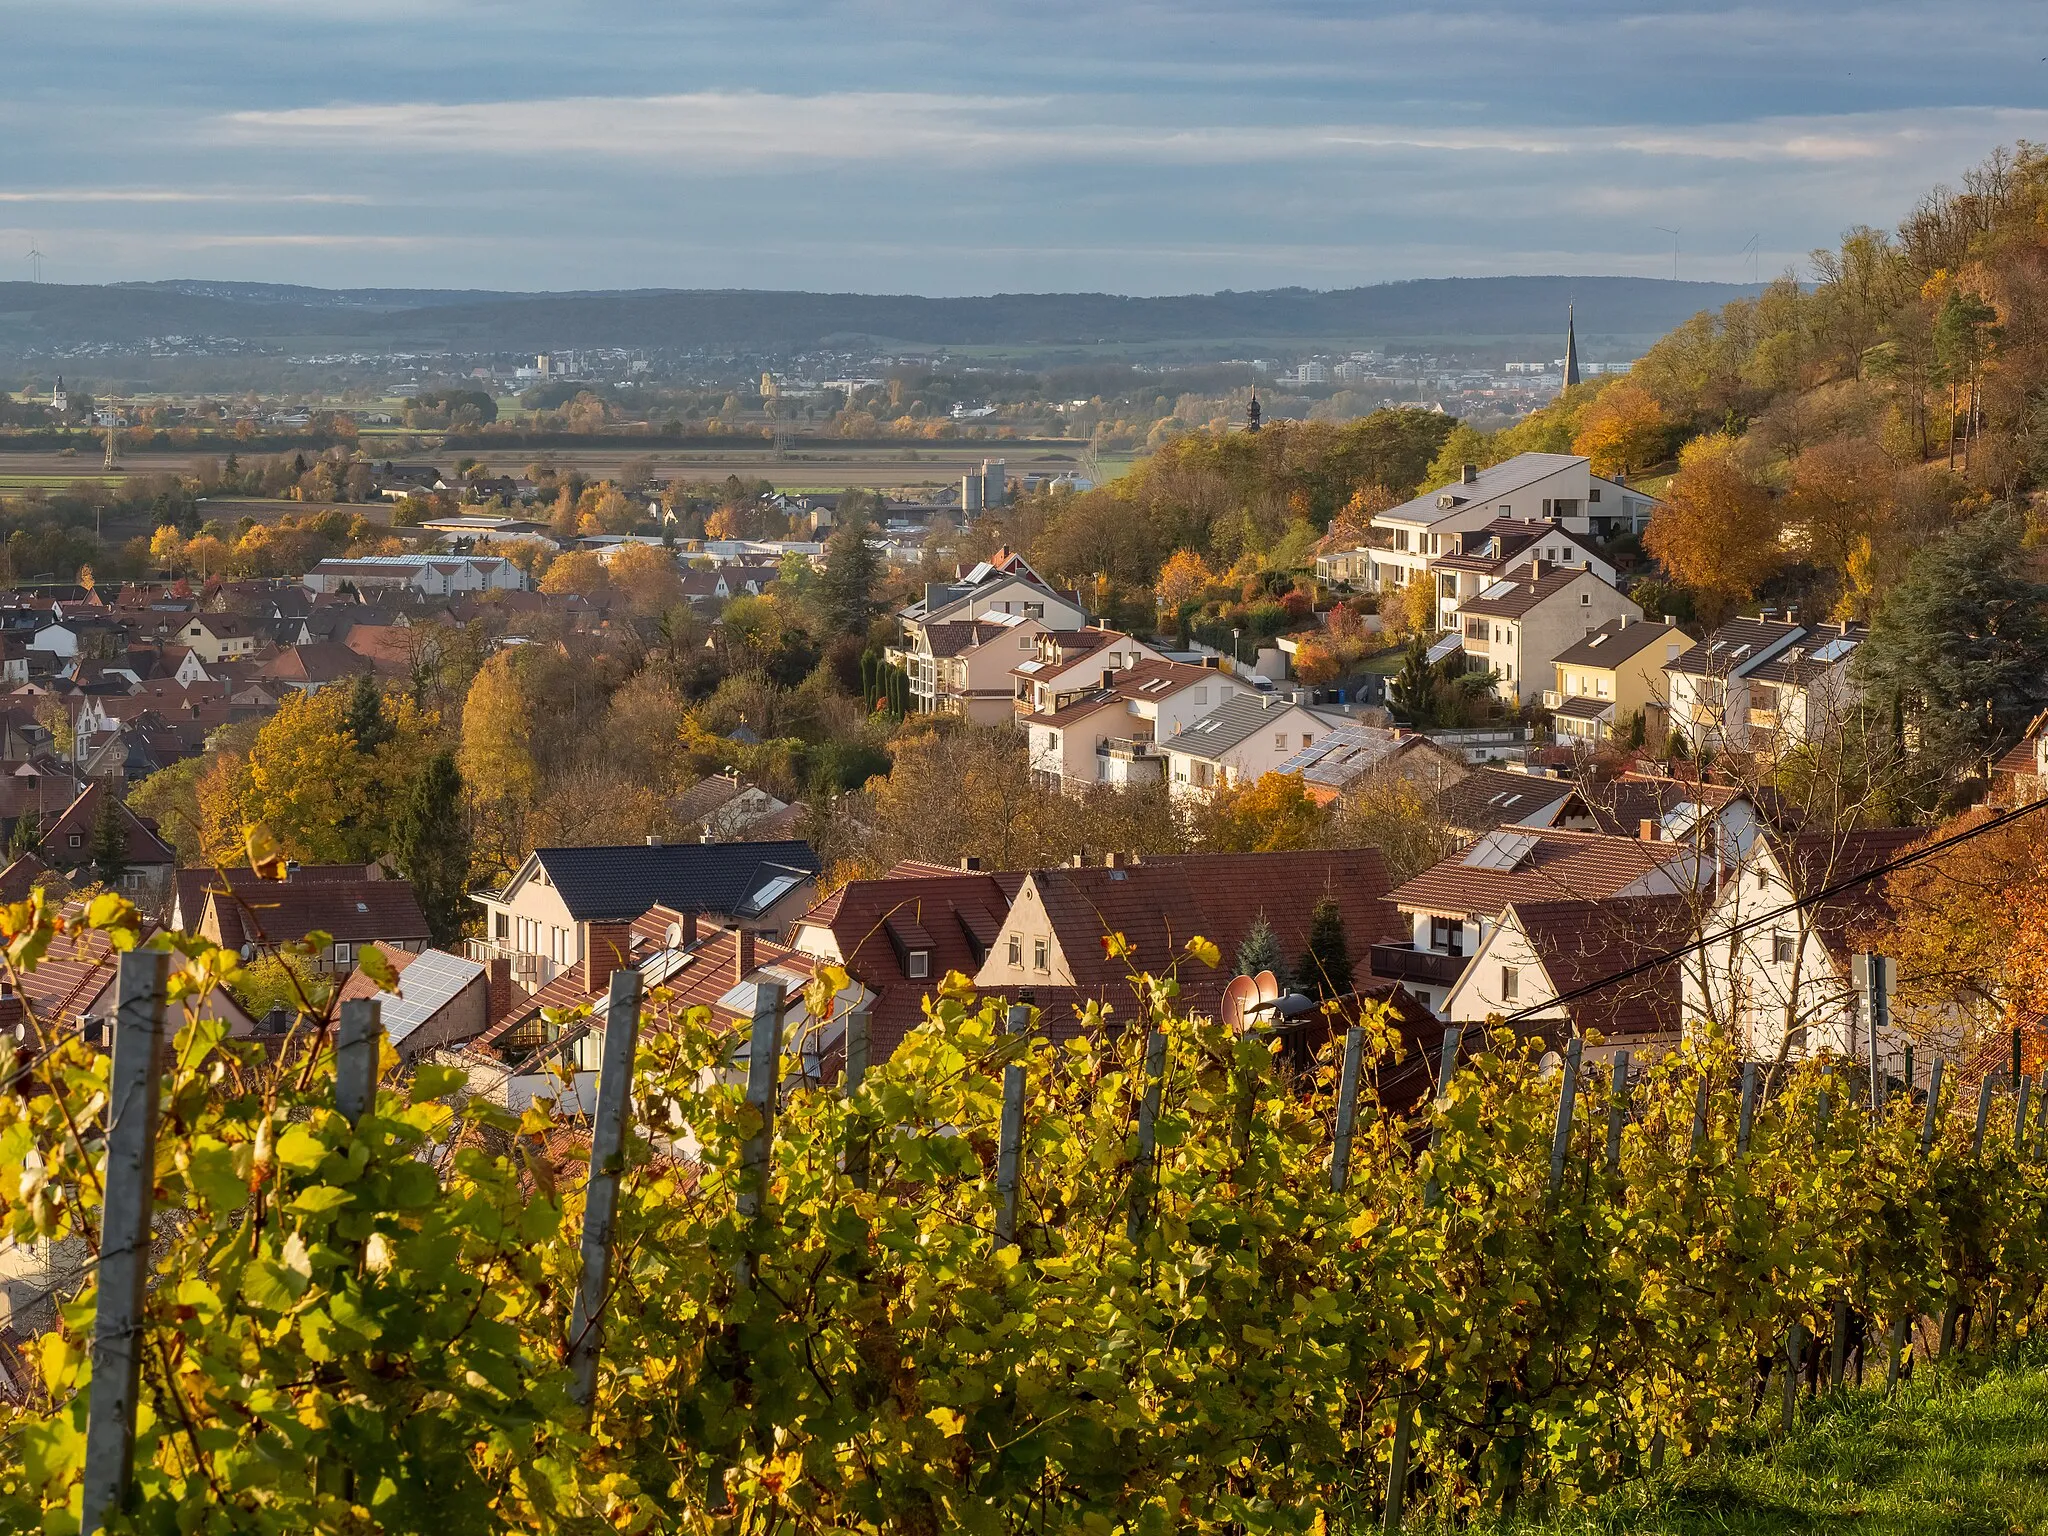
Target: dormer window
{"points": [[918, 964]]}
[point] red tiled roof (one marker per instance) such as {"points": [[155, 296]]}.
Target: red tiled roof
{"points": [[1558, 866], [1583, 942], [280, 912]]}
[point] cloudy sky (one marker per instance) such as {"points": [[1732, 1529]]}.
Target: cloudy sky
{"points": [[966, 147]]}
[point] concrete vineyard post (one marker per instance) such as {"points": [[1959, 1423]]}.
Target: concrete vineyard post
{"points": [[1347, 1109], [764, 1082], [1567, 1099], [1143, 1174], [607, 1162], [855, 1158], [355, 1057]]}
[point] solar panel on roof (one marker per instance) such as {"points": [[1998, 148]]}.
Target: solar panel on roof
{"points": [[1500, 850]]}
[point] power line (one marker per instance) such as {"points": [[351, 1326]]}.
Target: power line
{"points": [[1735, 930]]}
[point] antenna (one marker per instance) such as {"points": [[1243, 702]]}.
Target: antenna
{"points": [[35, 264], [1674, 248]]}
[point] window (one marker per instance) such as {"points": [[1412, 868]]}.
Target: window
{"points": [[1510, 983], [1039, 955], [1307, 740], [1016, 951], [1279, 741], [1593, 494], [1507, 511], [499, 924], [1447, 935], [919, 963], [344, 954], [76, 840], [1781, 948]]}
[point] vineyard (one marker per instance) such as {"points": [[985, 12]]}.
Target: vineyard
{"points": [[1156, 1277]]}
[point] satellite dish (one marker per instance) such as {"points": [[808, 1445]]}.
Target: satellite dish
{"points": [[248, 952], [1269, 987], [1242, 992], [1550, 1065], [675, 935]]}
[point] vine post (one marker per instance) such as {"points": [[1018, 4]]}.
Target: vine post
{"points": [[1148, 1117], [764, 1080], [1746, 1120], [143, 977], [601, 1196], [1432, 1192], [1347, 1109], [1617, 1110], [855, 1159], [1567, 1099], [355, 1057], [1010, 1147]]}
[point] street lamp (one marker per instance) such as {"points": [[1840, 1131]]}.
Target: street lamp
{"points": [[1236, 660]]}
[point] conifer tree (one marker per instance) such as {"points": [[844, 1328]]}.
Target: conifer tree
{"points": [[430, 841], [368, 726], [1260, 951], [109, 840], [1325, 969]]}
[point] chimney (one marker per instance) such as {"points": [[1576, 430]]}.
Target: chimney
{"points": [[1118, 860], [970, 864], [291, 868], [1109, 677], [1470, 474], [1624, 622], [654, 841], [605, 947], [689, 930], [497, 988], [1650, 829], [742, 954]]}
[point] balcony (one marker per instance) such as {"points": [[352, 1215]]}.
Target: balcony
{"points": [[1552, 699], [1763, 719], [531, 971], [1127, 749], [1404, 962]]}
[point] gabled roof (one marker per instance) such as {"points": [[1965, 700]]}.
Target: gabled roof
{"points": [[1817, 652], [427, 982], [1147, 680], [1159, 903], [284, 911], [1348, 751], [1735, 648], [1579, 943], [617, 884], [1524, 588], [1490, 484], [1538, 864], [82, 815], [1486, 798], [957, 913], [1233, 721], [1617, 641]]}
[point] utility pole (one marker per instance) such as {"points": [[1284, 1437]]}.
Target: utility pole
{"points": [[113, 432]]}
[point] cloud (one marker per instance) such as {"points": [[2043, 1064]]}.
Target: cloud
{"points": [[170, 195], [713, 131]]}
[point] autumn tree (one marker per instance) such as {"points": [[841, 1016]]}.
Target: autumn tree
{"points": [[1182, 580], [579, 573], [1271, 813], [1840, 498], [646, 576], [1717, 529], [304, 781], [1623, 430], [496, 757], [853, 570]]}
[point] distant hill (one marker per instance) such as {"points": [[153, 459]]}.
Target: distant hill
{"points": [[1438, 309]]}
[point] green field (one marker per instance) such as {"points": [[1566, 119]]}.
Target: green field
{"points": [[1961, 1452]]}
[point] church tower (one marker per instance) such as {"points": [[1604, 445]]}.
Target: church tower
{"points": [[1571, 349], [1251, 416]]}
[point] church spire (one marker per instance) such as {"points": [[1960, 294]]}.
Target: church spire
{"points": [[1571, 348], [1251, 416]]}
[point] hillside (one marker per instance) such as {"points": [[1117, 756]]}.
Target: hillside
{"points": [[53, 316]]}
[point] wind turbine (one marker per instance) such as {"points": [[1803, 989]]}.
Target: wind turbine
{"points": [[1752, 249], [1674, 248], [35, 263]]}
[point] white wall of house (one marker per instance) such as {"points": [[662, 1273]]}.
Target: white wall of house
{"points": [[1523, 649], [1194, 773]]}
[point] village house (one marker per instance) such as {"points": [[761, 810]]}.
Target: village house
{"points": [[902, 934], [1763, 684], [1118, 733], [1064, 664], [1015, 605], [67, 844], [1350, 753], [217, 637], [440, 1000], [352, 913], [1542, 951], [1612, 676], [541, 919], [1050, 951], [1448, 910], [1517, 626], [1240, 741], [1487, 555], [1558, 489], [422, 575]]}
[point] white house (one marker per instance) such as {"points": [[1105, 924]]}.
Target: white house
{"points": [[1118, 733], [1519, 625], [1243, 739], [423, 575], [1763, 683]]}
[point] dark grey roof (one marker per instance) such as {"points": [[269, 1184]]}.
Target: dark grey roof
{"points": [[1735, 648], [610, 885], [1494, 481], [1493, 797], [1229, 723], [1615, 642]]}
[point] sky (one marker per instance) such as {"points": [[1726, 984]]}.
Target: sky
{"points": [[962, 147]]}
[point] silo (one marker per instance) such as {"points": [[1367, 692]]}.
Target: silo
{"points": [[995, 490], [970, 493]]}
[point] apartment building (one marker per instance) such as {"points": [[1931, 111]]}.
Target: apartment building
{"points": [[1067, 663], [1489, 554], [960, 640]]}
